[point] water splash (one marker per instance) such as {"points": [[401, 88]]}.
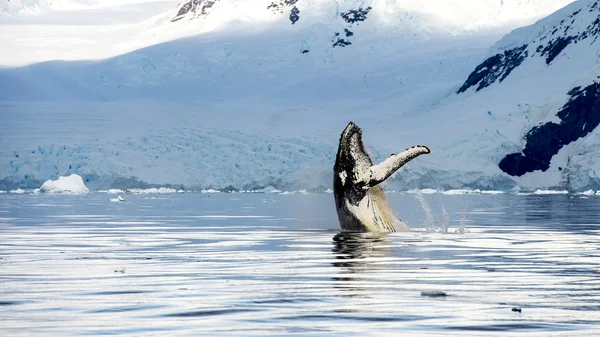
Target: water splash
{"points": [[462, 226], [446, 220], [429, 219]]}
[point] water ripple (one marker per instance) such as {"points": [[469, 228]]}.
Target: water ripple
{"points": [[272, 265]]}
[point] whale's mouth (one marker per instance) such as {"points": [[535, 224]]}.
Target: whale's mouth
{"points": [[350, 130], [352, 156]]}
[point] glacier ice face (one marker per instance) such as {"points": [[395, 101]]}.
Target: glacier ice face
{"points": [[193, 157], [72, 184]]}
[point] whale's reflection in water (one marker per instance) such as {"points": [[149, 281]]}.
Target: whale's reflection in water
{"points": [[356, 250], [358, 256]]}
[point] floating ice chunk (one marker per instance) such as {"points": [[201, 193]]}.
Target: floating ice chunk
{"points": [[164, 190], [461, 191], [154, 190], [180, 191], [72, 184], [423, 191], [17, 191], [544, 192], [268, 189], [112, 191], [492, 192], [210, 190], [117, 199], [2, 192], [588, 193], [329, 191]]}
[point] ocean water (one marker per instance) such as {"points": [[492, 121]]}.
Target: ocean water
{"points": [[274, 265]]}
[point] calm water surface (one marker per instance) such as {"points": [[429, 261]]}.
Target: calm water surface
{"points": [[262, 264]]}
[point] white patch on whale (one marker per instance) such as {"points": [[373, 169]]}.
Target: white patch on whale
{"points": [[343, 176]]}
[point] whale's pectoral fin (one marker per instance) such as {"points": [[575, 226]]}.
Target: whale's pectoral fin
{"points": [[380, 172]]}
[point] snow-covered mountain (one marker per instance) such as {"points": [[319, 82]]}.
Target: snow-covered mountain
{"points": [[537, 96], [31, 7], [39, 7], [254, 93]]}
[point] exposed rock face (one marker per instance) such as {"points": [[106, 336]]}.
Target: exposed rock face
{"points": [[578, 117], [356, 15], [351, 17], [497, 67], [194, 9], [550, 42], [282, 6]]}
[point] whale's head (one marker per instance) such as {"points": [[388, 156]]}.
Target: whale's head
{"points": [[352, 159]]}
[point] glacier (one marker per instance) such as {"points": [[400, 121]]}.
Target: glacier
{"points": [[238, 96]]}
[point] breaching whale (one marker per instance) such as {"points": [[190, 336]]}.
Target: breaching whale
{"points": [[360, 202]]}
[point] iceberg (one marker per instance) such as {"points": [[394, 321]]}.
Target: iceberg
{"points": [[72, 184]]}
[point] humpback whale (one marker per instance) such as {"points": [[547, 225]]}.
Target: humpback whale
{"points": [[360, 201]]}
